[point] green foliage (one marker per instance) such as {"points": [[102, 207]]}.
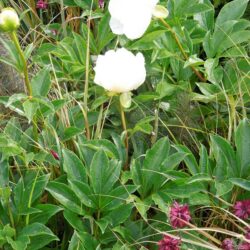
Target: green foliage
{"points": [[73, 175]]}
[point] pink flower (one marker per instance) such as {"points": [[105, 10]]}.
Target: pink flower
{"points": [[242, 209], [179, 215], [101, 4], [54, 32], [55, 154], [169, 243], [244, 246], [41, 4], [227, 244]]}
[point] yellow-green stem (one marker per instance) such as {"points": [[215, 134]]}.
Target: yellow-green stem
{"points": [[156, 125], [199, 75], [11, 215], [86, 86], [99, 124], [231, 117], [63, 18], [104, 117], [30, 198], [96, 225], [14, 38], [123, 119], [86, 121], [35, 130]]}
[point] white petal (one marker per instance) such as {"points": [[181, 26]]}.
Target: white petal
{"points": [[116, 26], [120, 71], [131, 17], [135, 31]]}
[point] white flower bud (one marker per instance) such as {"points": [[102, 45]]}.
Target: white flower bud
{"points": [[160, 12], [126, 100], [120, 71], [9, 20]]}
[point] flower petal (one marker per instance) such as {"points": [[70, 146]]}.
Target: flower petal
{"points": [[131, 17], [120, 71]]}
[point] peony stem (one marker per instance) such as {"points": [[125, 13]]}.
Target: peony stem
{"points": [[199, 75], [14, 38], [63, 18], [86, 86], [123, 118], [86, 121]]}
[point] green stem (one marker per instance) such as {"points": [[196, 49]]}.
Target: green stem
{"points": [[156, 126], [199, 75], [104, 117], [11, 215], [30, 197], [231, 116], [35, 131], [86, 86], [86, 121], [99, 124], [96, 226], [63, 18], [123, 119], [14, 38]]}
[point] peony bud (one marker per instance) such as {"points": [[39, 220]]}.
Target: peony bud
{"points": [[160, 12], [9, 20], [126, 100], [54, 154]]}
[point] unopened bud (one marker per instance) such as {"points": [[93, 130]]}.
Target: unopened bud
{"points": [[9, 20], [160, 12], [126, 99]]}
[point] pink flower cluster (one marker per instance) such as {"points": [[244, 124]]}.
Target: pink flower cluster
{"points": [[41, 4], [179, 216], [169, 243], [228, 244], [242, 209], [245, 245], [101, 4]]}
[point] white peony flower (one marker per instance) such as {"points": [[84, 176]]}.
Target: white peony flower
{"points": [[120, 71], [9, 20], [131, 17]]}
